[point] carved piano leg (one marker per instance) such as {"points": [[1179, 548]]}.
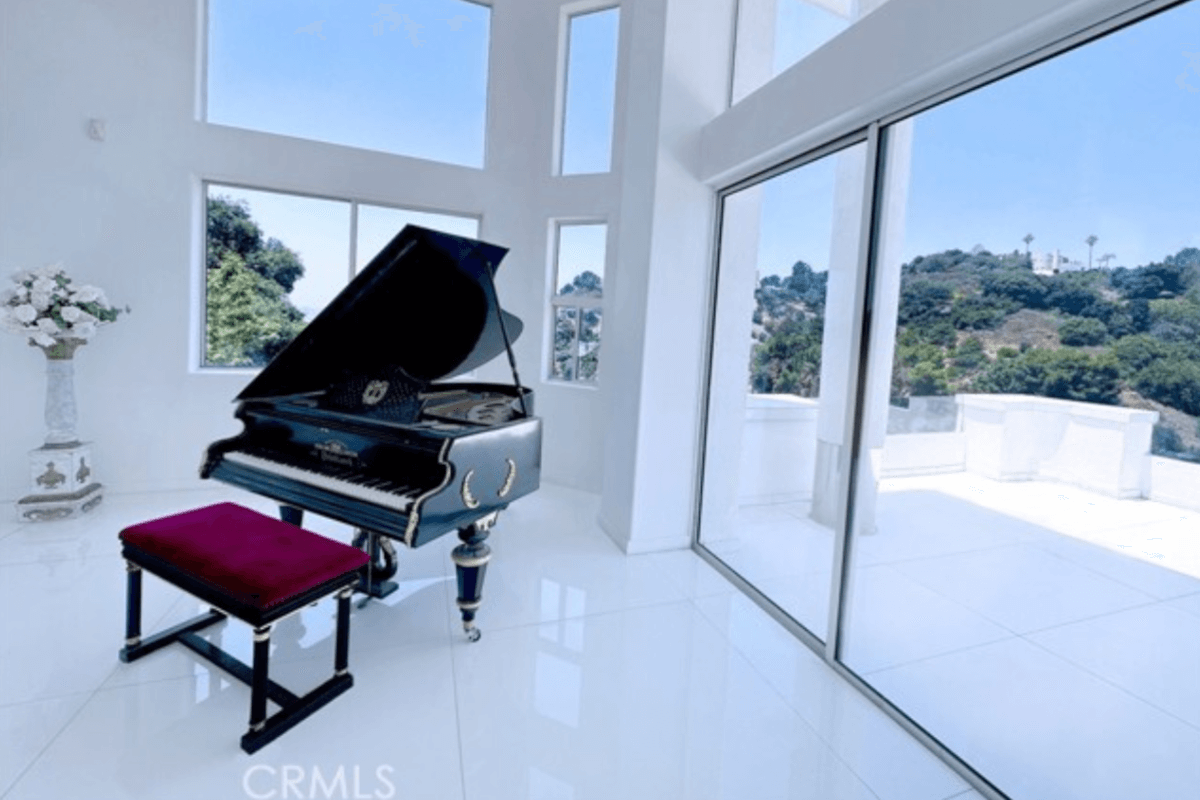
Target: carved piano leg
{"points": [[470, 563], [381, 564]]}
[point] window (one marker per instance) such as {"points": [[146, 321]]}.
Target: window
{"points": [[274, 260], [407, 78], [588, 92], [576, 306], [772, 35]]}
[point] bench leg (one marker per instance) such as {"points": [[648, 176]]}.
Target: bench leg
{"points": [[133, 604], [341, 656], [258, 681]]}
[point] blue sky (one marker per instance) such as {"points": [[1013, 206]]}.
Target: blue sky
{"points": [[1101, 141]]}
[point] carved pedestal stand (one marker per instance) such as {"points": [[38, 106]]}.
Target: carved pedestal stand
{"points": [[61, 469]]}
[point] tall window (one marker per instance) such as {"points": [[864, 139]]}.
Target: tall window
{"points": [[589, 92], [407, 77], [577, 303], [274, 260]]}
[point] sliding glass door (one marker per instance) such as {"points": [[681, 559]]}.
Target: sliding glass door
{"points": [[789, 290]]}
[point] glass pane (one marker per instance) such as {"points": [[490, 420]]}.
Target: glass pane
{"points": [[772, 35], [591, 86], [566, 346], [407, 78], [782, 362], [589, 343], [273, 261], [1027, 515], [580, 260], [378, 225]]}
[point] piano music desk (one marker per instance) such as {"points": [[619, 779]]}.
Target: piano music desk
{"points": [[253, 567]]}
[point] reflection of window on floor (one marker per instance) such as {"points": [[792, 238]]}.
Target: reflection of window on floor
{"points": [[577, 302], [274, 260]]}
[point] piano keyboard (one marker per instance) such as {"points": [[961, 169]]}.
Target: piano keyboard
{"points": [[372, 489]]}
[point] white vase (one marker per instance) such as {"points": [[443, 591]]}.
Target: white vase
{"points": [[61, 413]]}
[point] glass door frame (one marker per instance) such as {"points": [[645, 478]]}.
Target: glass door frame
{"points": [[875, 133]]}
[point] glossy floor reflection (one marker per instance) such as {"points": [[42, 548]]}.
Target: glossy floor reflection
{"points": [[598, 676], [1048, 635]]}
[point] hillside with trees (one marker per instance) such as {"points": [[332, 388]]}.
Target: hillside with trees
{"points": [[980, 322], [249, 317]]}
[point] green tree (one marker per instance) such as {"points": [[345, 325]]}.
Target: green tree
{"points": [[248, 315], [789, 360], [1066, 374], [249, 320], [1082, 331]]}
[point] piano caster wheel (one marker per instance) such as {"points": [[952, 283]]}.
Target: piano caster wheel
{"points": [[472, 632]]}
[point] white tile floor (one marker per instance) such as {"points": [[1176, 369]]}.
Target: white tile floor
{"points": [[1048, 635], [598, 676]]}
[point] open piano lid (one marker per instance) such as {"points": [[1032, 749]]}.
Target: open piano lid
{"points": [[425, 304]]}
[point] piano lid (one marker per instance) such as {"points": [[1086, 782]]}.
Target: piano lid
{"points": [[424, 304]]}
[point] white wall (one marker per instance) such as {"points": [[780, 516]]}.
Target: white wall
{"points": [[125, 214]]}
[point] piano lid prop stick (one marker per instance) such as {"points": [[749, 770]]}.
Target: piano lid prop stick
{"points": [[512, 362]]}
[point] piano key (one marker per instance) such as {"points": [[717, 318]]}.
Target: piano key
{"points": [[400, 500]]}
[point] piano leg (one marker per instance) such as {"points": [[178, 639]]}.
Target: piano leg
{"points": [[292, 515], [470, 563], [381, 564]]}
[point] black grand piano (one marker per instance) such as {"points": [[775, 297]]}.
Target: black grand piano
{"points": [[353, 420]]}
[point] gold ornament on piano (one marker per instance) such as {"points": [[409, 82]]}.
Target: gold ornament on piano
{"points": [[509, 478], [375, 391], [469, 500]]}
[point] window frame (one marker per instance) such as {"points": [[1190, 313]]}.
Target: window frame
{"points": [[578, 302], [199, 324], [567, 13]]}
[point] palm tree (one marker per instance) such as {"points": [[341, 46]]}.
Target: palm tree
{"points": [[1104, 259], [1091, 241], [1028, 238]]}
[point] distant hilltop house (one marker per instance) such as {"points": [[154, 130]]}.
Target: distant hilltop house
{"points": [[1054, 263]]}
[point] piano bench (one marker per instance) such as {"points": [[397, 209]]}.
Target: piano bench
{"points": [[253, 567]]}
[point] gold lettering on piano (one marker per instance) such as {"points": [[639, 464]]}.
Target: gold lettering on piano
{"points": [[335, 452], [375, 391]]}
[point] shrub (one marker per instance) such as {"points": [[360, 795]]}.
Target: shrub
{"points": [[970, 355], [1082, 331], [1172, 381], [1065, 374], [975, 313]]}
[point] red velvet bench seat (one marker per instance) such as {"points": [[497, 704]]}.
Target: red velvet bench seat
{"points": [[252, 567]]}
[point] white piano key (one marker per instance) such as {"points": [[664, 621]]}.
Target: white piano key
{"points": [[399, 502]]}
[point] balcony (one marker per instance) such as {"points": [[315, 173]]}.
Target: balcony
{"points": [[1026, 588]]}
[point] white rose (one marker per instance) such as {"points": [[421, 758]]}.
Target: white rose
{"points": [[71, 313], [20, 293], [7, 295], [45, 285], [44, 340], [85, 317], [40, 300], [88, 294], [84, 330], [21, 276], [25, 313], [48, 271], [47, 325]]}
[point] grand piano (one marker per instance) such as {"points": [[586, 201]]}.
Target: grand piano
{"points": [[355, 420]]}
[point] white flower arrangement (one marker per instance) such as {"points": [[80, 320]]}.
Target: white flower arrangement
{"points": [[44, 305]]}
